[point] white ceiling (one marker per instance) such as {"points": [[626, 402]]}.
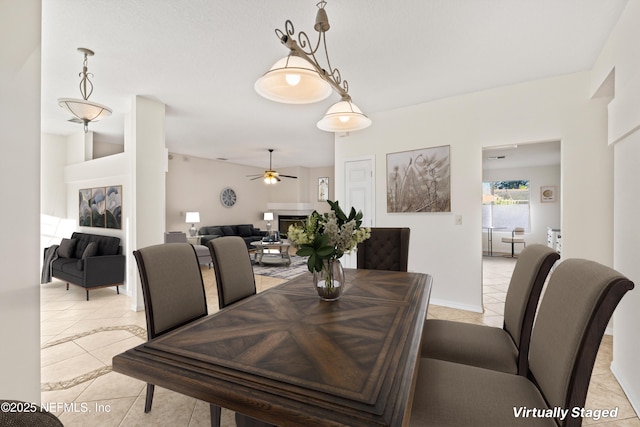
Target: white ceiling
{"points": [[202, 57], [521, 155]]}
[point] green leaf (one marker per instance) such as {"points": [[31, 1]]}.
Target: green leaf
{"points": [[325, 251], [305, 250]]}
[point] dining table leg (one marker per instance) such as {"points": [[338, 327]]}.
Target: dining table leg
{"points": [[216, 411]]}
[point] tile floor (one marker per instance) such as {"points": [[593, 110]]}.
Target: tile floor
{"points": [[80, 337]]}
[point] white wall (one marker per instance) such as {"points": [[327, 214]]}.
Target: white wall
{"points": [[620, 56], [54, 154], [551, 109], [542, 215], [20, 194]]}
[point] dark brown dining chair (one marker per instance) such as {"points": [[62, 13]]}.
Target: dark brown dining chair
{"points": [[234, 273], [173, 293], [575, 310], [503, 349], [386, 249]]}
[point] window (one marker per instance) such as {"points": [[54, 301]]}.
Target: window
{"points": [[506, 204]]}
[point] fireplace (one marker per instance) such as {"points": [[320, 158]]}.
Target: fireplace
{"points": [[284, 221]]}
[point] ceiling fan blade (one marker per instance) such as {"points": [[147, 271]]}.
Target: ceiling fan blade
{"points": [[257, 177], [289, 176], [255, 174]]}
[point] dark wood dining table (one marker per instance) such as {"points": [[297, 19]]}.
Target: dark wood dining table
{"points": [[285, 357]]}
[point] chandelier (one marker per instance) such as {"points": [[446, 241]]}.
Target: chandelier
{"points": [[84, 110], [300, 79]]}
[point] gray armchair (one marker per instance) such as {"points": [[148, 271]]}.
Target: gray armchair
{"points": [[204, 257]]}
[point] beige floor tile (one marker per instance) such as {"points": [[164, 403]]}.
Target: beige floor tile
{"points": [[70, 368], [64, 396], [56, 327], [60, 353], [108, 413], [102, 339], [105, 354], [111, 386], [168, 409], [606, 393]]}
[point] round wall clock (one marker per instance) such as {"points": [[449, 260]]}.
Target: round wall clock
{"points": [[228, 197]]}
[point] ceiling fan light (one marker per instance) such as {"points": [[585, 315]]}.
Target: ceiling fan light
{"points": [[344, 116], [293, 80]]}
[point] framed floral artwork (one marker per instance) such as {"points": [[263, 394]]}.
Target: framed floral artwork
{"points": [[419, 180], [100, 207], [323, 189], [548, 193]]}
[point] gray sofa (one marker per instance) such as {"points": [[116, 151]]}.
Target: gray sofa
{"points": [[247, 231], [90, 260]]}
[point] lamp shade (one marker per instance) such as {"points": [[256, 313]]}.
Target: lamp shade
{"points": [[84, 110], [192, 217], [293, 80], [344, 116], [268, 216]]}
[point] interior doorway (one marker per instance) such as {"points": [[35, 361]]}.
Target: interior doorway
{"points": [[521, 188]]}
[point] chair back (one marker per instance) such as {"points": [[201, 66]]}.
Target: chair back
{"points": [[386, 249], [527, 280], [232, 265], [172, 286], [517, 235], [175, 237], [575, 310]]}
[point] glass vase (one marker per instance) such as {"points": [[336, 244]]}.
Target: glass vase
{"points": [[330, 281]]}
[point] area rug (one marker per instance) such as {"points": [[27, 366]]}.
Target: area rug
{"points": [[297, 267]]}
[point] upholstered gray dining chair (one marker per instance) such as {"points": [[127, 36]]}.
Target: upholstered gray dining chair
{"points": [[386, 249], [233, 270], [204, 257], [503, 349], [575, 310], [173, 293]]}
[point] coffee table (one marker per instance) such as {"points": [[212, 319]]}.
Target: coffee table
{"points": [[272, 252]]}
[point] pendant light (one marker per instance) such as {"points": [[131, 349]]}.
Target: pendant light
{"points": [[82, 109]]}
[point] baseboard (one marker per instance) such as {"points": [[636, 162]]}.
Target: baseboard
{"points": [[447, 303]]}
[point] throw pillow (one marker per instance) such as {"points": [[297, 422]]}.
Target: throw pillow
{"points": [[228, 231], [90, 250], [66, 248], [215, 231], [256, 232], [244, 230]]}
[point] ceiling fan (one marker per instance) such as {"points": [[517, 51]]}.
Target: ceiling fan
{"points": [[270, 176]]}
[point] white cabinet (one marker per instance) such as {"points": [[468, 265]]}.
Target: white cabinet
{"points": [[554, 239]]}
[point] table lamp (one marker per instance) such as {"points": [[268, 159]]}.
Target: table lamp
{"points": [[193, 218], [268, 216]]}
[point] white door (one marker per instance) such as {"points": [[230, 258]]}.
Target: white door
{"points": [[359, 191]]}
